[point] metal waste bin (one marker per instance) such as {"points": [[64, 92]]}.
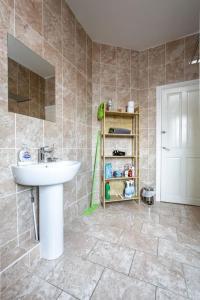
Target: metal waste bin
{"points": [[148, 194]]}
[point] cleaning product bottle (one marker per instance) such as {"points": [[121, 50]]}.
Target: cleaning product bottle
{"points": [[107, 191], [24, 155]]}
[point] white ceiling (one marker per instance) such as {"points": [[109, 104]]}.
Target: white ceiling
{"points": [[137, 24]]}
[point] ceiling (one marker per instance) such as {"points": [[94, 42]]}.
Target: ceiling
{"points": [[137, 24]]}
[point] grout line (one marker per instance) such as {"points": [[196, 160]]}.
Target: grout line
{"points": [[131, 263], [182, 267], [86, 257], [97, 283]]}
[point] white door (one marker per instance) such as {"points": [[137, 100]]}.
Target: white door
{"points": [[180, 144]]}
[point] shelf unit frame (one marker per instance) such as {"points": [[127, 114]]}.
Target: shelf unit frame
{"points": [[124, 119]]}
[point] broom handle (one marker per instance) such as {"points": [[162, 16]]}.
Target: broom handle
{"points": [[95, 165]]}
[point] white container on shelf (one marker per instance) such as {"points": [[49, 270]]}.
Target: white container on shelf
{"points": [[130, 107]]}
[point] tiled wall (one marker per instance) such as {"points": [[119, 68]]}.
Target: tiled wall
{"points": [[51, 30], [123, 74]]}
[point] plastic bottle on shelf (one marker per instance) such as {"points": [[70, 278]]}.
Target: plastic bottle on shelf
{"points": [[107, 191]]}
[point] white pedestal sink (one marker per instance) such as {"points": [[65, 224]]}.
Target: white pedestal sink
{"points": [[50, 178]]}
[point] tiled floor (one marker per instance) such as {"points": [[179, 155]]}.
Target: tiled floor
{"points": [[128, 251]]}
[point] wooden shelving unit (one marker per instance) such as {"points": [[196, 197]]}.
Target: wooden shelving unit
{"points": [[130, 121]]}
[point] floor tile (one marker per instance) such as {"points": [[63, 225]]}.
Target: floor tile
{"points": [[43, 267], [147, 217], [161, 231], [107, 233], [65, 296], [191, 231], [115, 286], [179, 222], [112, 256], [189, 240], [9, 277], [179, 252], [192, 276], [119, 219], [138, 241], [167, 295], [31, 287], [75, 276], [159, 271], [160, 208], [77, 243]]}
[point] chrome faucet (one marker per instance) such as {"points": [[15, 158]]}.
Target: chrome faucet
{"points": [[46, 154]]}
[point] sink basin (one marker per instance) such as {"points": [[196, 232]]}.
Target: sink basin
{"points": [[45, 173], [50, 178]]}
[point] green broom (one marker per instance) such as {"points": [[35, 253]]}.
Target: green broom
{"points": [[93, 206]]}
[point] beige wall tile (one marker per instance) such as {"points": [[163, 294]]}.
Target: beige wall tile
{"points": [[31, 12], [68, 33], [29, 131], [8, 219], [175, 51], [7, 125], [69, 191], [96, 52], [69, 76], [54, 6], [52, 28], [81, 37], [9, 3], [6, 21], [69, 132], [89, 47], [135, 69], [108, 92], [81, 136], [157, 56], [108, 54], [123, 96], [81, 60], [191, 70], [24, 210], [174, 72], [7, 185], [123, 77], [108, 74], [96, 73], [53, 133], [156, 75], [27, 35], [123, 57], [69, 104]]}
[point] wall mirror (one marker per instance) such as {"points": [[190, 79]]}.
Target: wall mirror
{"points": [[31, 82]]}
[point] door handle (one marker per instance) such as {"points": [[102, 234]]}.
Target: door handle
{"points": [[165, 148]]}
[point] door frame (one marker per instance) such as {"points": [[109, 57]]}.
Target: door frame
{"points": [[159, 91]]}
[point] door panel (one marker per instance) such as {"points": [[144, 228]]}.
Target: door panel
{"points": [[173, 167], [173, 120], [192, 178], [180, 142], [193, 119]]}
